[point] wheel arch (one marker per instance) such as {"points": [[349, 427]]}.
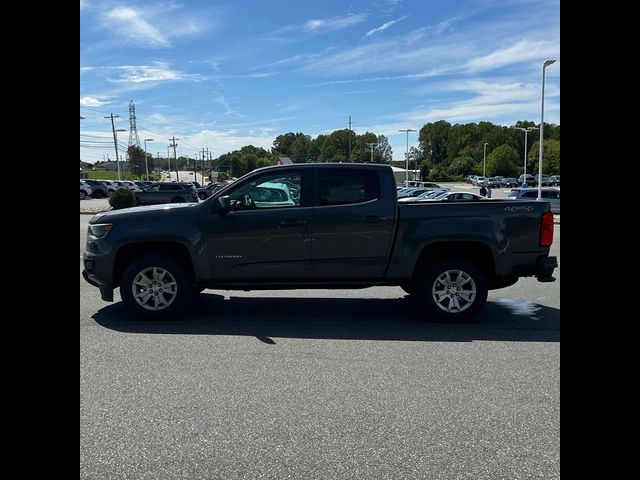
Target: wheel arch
{"points": [[131, 252], [476, 252]]}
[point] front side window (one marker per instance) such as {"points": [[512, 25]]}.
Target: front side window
{"points": [[274, 190], [343, 187]]}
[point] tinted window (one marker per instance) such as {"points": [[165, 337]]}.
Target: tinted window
{"points": [[342, 187], [550, 194], [169, 187], [533, 194]]}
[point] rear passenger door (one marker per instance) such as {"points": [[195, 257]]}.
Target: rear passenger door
{"points": [[352, 227]]}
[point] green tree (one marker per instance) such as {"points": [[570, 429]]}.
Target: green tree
{"points": [[433, 140], [550, 160], [135, 156], [383, 153], [503, 160], [462, 166]]}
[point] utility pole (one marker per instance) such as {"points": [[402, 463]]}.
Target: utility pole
{"points": [[175, 157], [406, 181], [525, 130], [349, 152], [168, 161], [115, 141], [203, 153], [209, 158], [372, 145]]}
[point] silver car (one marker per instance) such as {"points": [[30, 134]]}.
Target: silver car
{"points": [[551, 195]]}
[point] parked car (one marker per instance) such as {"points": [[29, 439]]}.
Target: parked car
{"points": [[98, 189], [85, 190], [206, 192], [424, 195], [546, 180], [555, 180], [551, 195], [456, 197], [509, 182], [530, 179], [173, 192]]}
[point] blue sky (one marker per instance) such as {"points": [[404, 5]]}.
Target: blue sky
{"points": [[227, 74]]}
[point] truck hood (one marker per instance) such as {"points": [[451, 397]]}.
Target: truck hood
{"points": [[162, 209]]}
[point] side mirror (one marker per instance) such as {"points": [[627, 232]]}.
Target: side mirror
{"points": [[224, 205]]}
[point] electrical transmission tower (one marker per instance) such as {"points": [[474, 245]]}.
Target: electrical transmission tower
{"points": [[133, 132]]}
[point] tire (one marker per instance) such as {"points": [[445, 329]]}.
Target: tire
{"points": [[446, 276], [202, 196], [171, 294], [83, 194]]}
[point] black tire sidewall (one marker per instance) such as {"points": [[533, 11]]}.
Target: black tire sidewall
{"points": [[434, 271], [184, 287]]}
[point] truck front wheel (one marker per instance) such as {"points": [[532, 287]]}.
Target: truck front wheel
{"points": [[156, 287], [453, 290]]}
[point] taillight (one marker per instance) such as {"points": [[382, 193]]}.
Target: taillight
{"points": [[546, 230]]}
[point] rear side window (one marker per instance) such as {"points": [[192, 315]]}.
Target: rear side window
{"points": [[169, 187], [343, 187], [533, 194], [550, 195]]}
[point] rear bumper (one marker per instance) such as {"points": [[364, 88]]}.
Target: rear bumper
{"points": [[545, 267]]}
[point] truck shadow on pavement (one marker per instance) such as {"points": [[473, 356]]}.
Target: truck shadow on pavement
{"points": [[339, 318]]}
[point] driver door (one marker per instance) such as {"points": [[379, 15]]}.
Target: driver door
{"points": [[266, 235]]}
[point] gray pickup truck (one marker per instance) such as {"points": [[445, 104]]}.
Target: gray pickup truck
{"points": [[318, 226]]}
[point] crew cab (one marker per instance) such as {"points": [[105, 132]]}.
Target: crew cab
{"points": [[318, 226]]}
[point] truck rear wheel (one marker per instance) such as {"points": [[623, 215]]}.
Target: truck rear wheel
{"points": [[453, 290], [156, 287]]}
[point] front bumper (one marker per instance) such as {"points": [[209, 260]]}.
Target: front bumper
{"points": [[91, 273]]}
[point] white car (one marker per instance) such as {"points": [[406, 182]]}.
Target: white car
{"points": [[85, 190]]}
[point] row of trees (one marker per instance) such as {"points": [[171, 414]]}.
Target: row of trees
{"points": [[444, 152], [448, 152]]}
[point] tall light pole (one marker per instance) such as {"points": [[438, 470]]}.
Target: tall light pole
{"points": [[146, 163], [484, 161], [372, 145], [115, 137], [406, 176], [544, 65], [525, 130]]}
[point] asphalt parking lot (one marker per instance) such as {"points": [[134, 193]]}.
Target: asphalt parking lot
{"points": [[321, 384]]}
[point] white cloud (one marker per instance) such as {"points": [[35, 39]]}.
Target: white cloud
{"points": [[384, 26], [335, 23], [224, 141], [92, 102], [499, 100], [131, 23], [521, 51], [151, 74]]}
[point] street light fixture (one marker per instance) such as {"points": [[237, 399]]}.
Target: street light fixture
{"points": [[115, 135], [406, 171], [484, 161], [146, 163], [544, 66], [525, 130]]}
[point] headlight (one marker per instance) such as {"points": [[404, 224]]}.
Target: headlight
{"points": [[100, 230]]}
